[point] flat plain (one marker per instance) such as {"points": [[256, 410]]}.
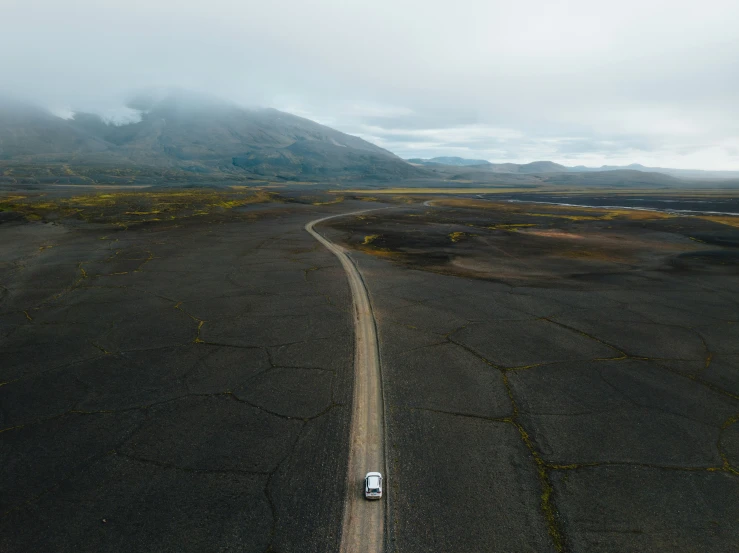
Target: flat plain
{"points": [[177, 373], [557, 378]]}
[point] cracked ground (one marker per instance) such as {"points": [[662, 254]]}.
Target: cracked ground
{"points": [[173, 386], [556, 380]]}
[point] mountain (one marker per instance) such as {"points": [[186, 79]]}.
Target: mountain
{"points": [[541, 167], [183, 133], [635, 173], [182, 137], [28, 133], [483, 165], [535, 167], [681, 173], [454, 161], [594, 179]]}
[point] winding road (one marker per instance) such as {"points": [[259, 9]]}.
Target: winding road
{"points": [[363, 524]]}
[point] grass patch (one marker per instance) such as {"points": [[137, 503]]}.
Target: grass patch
{"points": [[728, 220], [336, 200], [129, 208], [456, 191], [457, 236], [510, 226], [556, 211]]}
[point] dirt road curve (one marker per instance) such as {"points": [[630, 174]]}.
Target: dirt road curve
{"points": [[363, 525]]}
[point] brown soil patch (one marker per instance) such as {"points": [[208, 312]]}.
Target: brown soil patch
{"points": [[555, 234]]}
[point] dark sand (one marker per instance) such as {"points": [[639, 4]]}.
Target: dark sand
{"points": [[557, 378], [176, 375]]}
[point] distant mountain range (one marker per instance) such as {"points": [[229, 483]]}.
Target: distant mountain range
{"points": [[185, 136], [681, 173], [456, 161], [538, 167]]}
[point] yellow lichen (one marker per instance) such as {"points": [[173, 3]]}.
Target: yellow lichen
{"points": [[336, 200], [134, 206], [511, 226], [457, 236], [724, 220]]}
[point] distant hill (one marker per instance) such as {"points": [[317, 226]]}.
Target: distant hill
{"points": [[634, 173], [541, 167], [189, 134], [483, 165], [681, 173], [595, 179], [537, 167], [454, 161]]}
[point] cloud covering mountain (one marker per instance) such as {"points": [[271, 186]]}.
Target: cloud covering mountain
{"points": [[577, 82], [195, 134]]}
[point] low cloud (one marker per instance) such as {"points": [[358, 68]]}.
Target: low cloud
{"points": [[647, 81]]}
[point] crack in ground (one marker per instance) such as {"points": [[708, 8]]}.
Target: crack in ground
{"points": [[582, 333], [233, 396], [548, 507], [577, 466], [458, 414], [146, 407], [172, 466]]}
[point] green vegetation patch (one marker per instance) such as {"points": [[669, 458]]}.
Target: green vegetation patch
{"points": [[132, 207], [457, 236]]}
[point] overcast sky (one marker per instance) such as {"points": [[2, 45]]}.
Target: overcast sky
{"points": [[577, 82]]}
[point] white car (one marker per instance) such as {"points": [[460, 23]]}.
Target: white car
{"points": [[373, 485]]}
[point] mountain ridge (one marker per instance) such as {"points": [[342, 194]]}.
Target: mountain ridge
{"points": [[551, 167], [448, 160], [194, 134], [182, 137]]}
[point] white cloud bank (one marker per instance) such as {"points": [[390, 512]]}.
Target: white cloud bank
{"points": [[576, 81]]}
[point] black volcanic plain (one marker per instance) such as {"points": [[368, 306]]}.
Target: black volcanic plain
{"points": [[177, 373], [556, 378]]}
